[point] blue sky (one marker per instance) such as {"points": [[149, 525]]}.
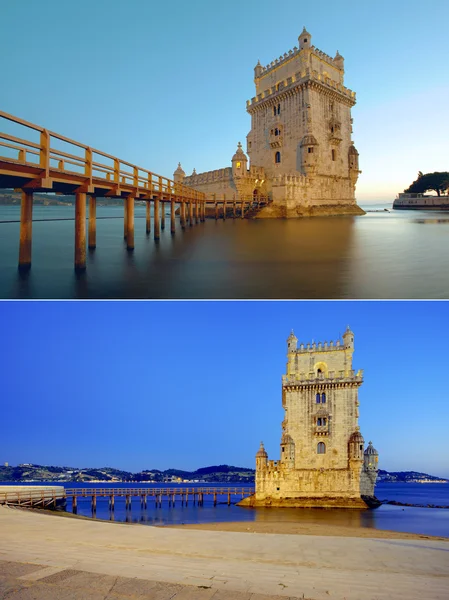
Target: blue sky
{"points": [[140, 385], [160, 82]]}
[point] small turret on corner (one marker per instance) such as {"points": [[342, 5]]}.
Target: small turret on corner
{"points": [[239, 163], [339, 61], [369, 476], [261, 458], [348, 339], [258, 70], [292, 343], [305, 39], [179, 174]]}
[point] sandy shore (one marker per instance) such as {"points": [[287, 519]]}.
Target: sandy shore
{"points": [[221, 564], [295, 528]]}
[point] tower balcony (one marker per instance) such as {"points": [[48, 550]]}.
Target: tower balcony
{"points": [[316, 379]]}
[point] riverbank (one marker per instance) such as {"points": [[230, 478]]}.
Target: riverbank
{"points": [[321, 529], [225, 564]]}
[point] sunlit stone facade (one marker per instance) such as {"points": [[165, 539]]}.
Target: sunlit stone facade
{"points": [[323, 461], [301, 155]]}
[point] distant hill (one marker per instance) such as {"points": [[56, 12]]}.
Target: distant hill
{"points": [[12, 198], [212, 474]]}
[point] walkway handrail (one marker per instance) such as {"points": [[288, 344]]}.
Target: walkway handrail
{"points": [[86, 165], [156, 491]]}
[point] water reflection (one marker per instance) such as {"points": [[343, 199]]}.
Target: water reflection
{"points": [[379, 255]]}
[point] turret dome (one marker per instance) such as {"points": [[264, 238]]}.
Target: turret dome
{"points": [[352, 150], [179, 171], [371, 449], [357, 438], [309, 140], [261, 453], [239, 155]]}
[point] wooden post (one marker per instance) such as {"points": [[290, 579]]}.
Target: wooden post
{"points": [[234, 214], [229, 498], [215, 498], [243, 209], [26, 225], [224, 207], [112, 502], [74, 504], [92, 223], [191, 213], [156, 219], [94, 503], [162, 214], [148, 215], [197, 216], [125, 219], [80, 231], [183, 214], [172, 216], [130, 236]]}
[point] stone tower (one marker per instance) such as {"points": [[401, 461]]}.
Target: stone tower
{"points": [[302, 161], [323, 462], [301, 130]]}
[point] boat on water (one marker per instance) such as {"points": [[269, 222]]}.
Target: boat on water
{"points": [[412, 201]]}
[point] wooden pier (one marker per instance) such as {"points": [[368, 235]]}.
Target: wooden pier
{"points": [[29, 167], [158, 496]]}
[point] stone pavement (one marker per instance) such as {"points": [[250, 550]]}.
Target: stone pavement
{"points": [[108, 559]]}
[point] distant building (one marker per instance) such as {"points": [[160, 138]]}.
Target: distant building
{"points": [[6, 464], [302, 157], [323, 461]]}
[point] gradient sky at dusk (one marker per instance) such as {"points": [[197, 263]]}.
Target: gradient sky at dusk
{"points": [[160, 82], [141, 385]]}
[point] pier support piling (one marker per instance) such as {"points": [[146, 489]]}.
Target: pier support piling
{"points": [[148, 217], [162, 215], [92, 242], [125, 219], [172, 217], [26, 225], [182, 210], [157, 223], [130, 236], [191, 213], [80, 231]]}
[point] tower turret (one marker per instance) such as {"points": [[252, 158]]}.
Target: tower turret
{"points": [[239, 163], [179, 174], [258, 70], [305, 39], [339, 61], [288, 450], [292, 343], [371, 458], [261, 458], [348, 338], [353, 163], [309, 155], [356, 445]]}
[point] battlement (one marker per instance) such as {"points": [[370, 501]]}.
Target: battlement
{"points": [[278, 62], [287, 179], [312, 378], [320, 347], [297, 81], [209, 177]]}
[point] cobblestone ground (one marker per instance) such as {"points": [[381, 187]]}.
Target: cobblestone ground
{"points": [[25, 581]]}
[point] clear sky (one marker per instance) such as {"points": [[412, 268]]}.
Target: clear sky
{"points": [[141, 385], [160, 82]]}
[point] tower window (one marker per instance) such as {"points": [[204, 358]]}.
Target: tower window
{"points": [[323, 398], [274, 110], [279, 109], [277, 157], [334, 154], [238, 165], [310, 150], [305, 40], [318, 398], [321, 448]]}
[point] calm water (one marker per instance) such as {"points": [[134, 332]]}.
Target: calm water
{"points": [[427, 521], [398, 254]]}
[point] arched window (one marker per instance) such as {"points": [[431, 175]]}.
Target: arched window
{"points": [[279, 109], [274, 110], [318, 398], [323, 398], [321, 448], [277, 157]]}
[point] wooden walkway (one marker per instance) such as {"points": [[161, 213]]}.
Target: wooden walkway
{"points": [[32, 166], [180, 494], [51, 497]]}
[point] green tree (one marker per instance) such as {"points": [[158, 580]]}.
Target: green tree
{"points": [[438, 182]]}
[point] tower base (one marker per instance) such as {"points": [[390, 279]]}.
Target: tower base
{"points": [[310, 502]]}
